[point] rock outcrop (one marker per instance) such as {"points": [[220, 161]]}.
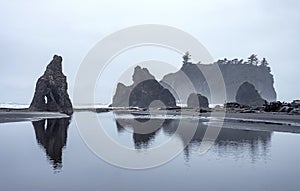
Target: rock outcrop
{"points": [[234, 72], [248, 95], [51, 90], [143, 93], [290, 108], [197, 100]]}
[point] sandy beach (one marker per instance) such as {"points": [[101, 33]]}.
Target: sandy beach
{"points": [[279, 122], [23, 115]]}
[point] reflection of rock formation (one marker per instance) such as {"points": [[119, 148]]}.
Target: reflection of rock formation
{"points": [[248, 95], [234, 139], [143, 92], [141, 140], [239, 141], [51, 90], [52, 135]]}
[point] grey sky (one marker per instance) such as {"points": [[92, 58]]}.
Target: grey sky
{"points": [[32, 31]]}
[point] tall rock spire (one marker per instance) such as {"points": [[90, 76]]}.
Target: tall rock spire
{"points": [[51, 90]]}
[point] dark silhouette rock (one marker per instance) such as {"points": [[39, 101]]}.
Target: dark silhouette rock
{"points": [[51, 90], [141, 74], [234, 72], [277, 106], [296, 104], [146, 92], [143, 93], [248, 95], [273, 106], [197, 100]]}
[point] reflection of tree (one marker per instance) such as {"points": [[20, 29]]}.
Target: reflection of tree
{"points": [[52, 135], [143, 140], [235, 141]]}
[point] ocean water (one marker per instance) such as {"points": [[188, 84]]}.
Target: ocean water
{"points": [[52, 155]]}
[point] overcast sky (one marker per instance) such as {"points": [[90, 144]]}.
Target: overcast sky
{"points": [[33, 30]]}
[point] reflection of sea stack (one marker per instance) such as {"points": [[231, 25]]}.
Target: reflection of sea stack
{"points": [[143, 92], [141, 138], [53, 137], [248, 95], [51, 90]]}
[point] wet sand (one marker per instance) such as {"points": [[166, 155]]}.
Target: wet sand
{"points": [[280, 122], [21, 115]]}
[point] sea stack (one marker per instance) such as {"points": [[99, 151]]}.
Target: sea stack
{"points": [[51, 90], [143, 93], [197, 100], [248, 95], [234, 73]]}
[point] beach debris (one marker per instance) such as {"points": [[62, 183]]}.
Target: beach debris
{"points": [[283, 107], [51, 90], [296, 104], [274, 107]]}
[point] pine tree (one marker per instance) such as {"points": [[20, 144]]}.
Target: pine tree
{"points": [[264, 62], [186, 57], [253, 60]]}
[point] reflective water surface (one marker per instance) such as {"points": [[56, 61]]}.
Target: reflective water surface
{"points": [[50, 154]]}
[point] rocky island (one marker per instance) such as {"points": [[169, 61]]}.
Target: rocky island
{"points": [[51, 90], [235, 72], [248, 95], [143, 92]]}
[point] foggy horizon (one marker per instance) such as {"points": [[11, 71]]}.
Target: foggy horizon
{"points": [[231, 29]]}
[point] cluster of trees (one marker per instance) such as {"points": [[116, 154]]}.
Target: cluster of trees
{"points": [[252, 60]]}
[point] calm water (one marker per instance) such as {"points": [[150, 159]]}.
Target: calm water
{"points": [[34, 157]]}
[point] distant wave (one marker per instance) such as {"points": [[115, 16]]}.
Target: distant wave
{"points": [[13, 105], [21, 106], [84, 106]]}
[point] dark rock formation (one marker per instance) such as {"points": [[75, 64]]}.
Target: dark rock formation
{"points": [[51, 90], [234, 72], [121, 97], [141, 74], [143, 93], [273, 106], [197, 100], [248, 95], [290, 108], [296, 104]]}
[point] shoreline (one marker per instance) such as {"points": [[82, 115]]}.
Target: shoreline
{"points": [[262, 121], [23, 115]]}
